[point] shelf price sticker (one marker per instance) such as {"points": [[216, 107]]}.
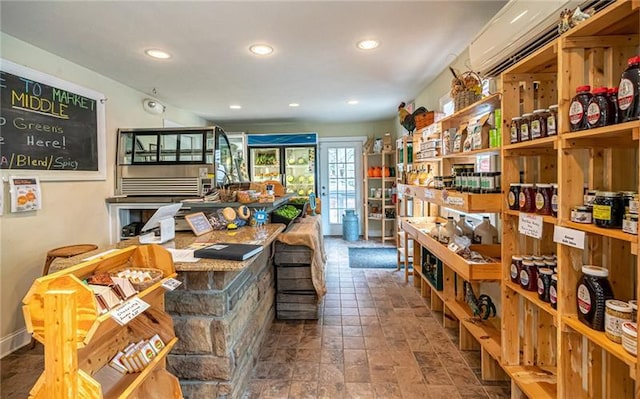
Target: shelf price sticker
{"points": [[570, 237], [530, 225], [129, 310], [428, 194], [171, 284]]}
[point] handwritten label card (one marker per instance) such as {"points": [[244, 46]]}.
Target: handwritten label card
{"points": [[199, 223], [530, 225], [129, 310], [457, 201], [428, 194], [171, 284], [569, 237]]}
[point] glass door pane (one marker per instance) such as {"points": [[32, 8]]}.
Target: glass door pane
{"points": [[265, 164], [342, 188], [300, 171]]}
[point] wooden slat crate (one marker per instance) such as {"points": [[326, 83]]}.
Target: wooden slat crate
{"points": [[292, 255], [298, 305]]}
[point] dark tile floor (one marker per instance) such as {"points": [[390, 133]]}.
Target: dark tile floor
{"points": [[376, 338]]}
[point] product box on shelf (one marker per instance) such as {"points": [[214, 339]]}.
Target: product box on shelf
{"points": [[478, 131]]}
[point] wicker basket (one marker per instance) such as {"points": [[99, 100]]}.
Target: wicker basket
{"points": [[465, 89], [156, 275], [465, 98]]}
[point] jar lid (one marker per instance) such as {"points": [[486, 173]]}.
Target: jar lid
{"points": [[527, 262], [634, 304], [548, 257], [527, 115], [527, 257], [537, 111], [628, 193], [600, 90], [630, 328], [516, 118], [592, 192], [543, 185], [634, 60], [516, 257], [545, 271], [613, 90], [581, 208], [608, 194], [554, 277], [595, 271], [618, 306], [514, 184], [554, 185], [550, 263], [526, 185], [536, 257], [553, 107], [580, 89]]}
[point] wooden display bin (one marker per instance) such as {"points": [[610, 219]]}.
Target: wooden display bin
{"points": [[61, 312], [296, 297]]}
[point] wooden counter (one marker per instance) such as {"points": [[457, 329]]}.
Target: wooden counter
{"points": [[221, 312]]}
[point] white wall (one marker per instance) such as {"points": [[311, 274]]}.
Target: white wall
{"points": [[441, 85], [371, 129], [72, 212]]}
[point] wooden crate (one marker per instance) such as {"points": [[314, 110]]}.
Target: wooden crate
{"points": [[292, 255], [294, 278], [301, 305]]}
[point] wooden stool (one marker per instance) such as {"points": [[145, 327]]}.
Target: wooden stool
{"points": [[65, 252]]}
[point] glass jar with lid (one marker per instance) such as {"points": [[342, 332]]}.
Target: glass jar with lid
{"points": [[513, 197], [526, 198], [593, 291], [539, 124], [552, 120], [544, 194], [525, 127], [515, 130], [608, 209]]}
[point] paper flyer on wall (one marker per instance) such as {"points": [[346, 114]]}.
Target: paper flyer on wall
{"points": [[1, 198], [25, 194]]}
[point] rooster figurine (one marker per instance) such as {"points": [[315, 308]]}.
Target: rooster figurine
{"points": [[407, 120]]}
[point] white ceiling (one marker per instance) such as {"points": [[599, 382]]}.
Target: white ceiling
{"points": [[315, 62]]}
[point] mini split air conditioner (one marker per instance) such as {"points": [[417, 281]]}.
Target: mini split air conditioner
{"points": [[515, 27]]}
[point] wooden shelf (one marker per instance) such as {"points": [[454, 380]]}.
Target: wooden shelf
{"points": [[618, 234], [466, 270], [542, 143], [608, 20], [378, 199], [533, 381], [463, 202], [373, 154], [485, 333], [483, 106], [545, 218], [533, 298], [473, 153], [544, 60], [618, 135], [599, 338], [116, 385], [438, 293]]}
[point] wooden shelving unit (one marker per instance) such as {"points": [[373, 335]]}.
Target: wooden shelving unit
{"points": [[385, 160], [459, 201], [61, 312], [543, 348]]}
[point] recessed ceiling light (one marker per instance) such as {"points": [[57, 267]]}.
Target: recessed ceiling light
{"points": [[235, 106], [368, 44], [156, 53], [352, 102], [293, 105], [261, 49]]}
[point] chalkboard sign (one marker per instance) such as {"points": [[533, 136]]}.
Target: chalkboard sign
{"points": [[50, 126], [199, 223]]}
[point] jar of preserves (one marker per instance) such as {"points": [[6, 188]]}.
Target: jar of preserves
{"points": [[629, 91], [552, 120], [630, 337], [614, 112], [475, 182], [516, 266], [627, 197], [544, 284], [589, 197], [515, 130], [553, 291], [529, 276], [608, 209], [539, 124], [630, 223], [593, 291], [616, 313], [447, 181], [525, 127], [581, 214], [526, 198], [544, 193], [554, 200], [513, 197], [598, 108], [578, 108], [490, 182], [550, 264], [634, 309]]}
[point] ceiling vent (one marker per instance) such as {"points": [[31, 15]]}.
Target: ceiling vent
{"points": [[518, 29]]}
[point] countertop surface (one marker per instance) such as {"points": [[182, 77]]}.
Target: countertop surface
{"points": [[194, 203], [255, 235]]}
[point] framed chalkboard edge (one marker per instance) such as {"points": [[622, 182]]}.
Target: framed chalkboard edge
{"points": [[191, 221], [47, 175]]}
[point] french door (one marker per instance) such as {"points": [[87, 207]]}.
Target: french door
{"points": [[340, 181]]}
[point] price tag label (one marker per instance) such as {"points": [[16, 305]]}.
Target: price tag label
{"points": [[428, 194], [530, 225], [569, 237], [129, 310], [171, 284], [454, 201]]}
